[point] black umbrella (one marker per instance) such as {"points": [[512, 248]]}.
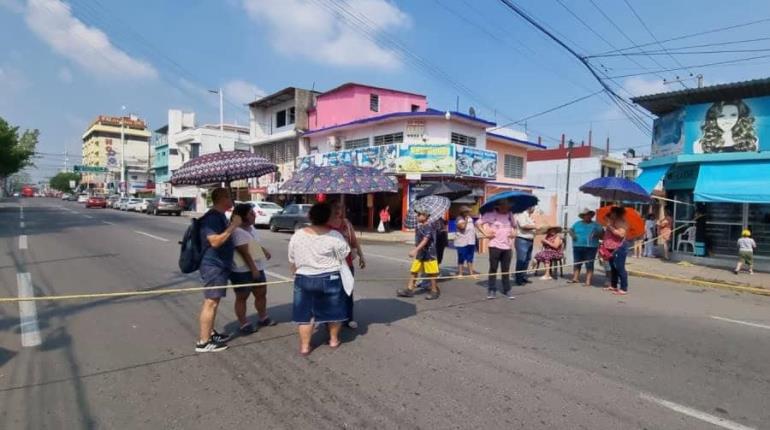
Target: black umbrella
{"points": [[450, 190]]}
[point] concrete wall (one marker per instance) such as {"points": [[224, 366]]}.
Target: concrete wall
{"points": [[351, 103], [552, 175]]}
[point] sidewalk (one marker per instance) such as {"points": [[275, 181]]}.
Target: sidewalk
{"points": [[653, 267]]}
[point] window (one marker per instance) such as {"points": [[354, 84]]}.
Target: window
{"points": [[195, 150], [374, 102], [415, 108], [513, 167], [357, 143], [387, 139], [280, 118], [173, 151], [461, 139], [609, 171], [292, 115]]}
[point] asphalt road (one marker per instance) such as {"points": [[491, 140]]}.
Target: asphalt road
{"points": [[665, 357]]}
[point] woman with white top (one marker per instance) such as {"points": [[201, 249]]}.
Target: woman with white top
{"points": [[249, 268], [316, 254]]}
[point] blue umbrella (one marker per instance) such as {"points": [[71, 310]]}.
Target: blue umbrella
{"points": [[615, 189], [518, 201]]}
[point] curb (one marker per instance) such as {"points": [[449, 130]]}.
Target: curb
{"points": [[701, 283]]}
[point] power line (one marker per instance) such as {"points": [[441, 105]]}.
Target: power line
{"points": [[571, 102], [668, 52], [738, 60]]}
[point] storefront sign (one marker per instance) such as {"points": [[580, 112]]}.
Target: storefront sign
{"points": [[426, 158], [681, 177], [380, 157], [476, 162]]}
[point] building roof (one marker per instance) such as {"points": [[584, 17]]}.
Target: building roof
{"points": [[354, 84], [276, 98], [560, 153], [663, 103], [395, 115], [515, 140], [227, 127]]}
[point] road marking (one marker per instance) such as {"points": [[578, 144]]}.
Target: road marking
{"points": [[276, 275], [88, 216], [151, 235], [21, 224], [750, 324], [387, 257], [712, 419], [30, 331], [23, 241], [108, 223]]}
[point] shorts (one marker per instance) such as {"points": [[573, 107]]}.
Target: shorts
{"points": [[465, 254], [319, 298], [585, 254], [214, 276], [428, 267], [747, 257], [246, 278]]}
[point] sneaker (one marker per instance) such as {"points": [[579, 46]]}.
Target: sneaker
{"points": [[491, 295], [352, 324], [509, 295], [432, 296], [405, 293], [267, 322], [247, 328], [210, 346], [219, 337]]}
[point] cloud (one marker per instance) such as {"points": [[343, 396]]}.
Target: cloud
{"points": [[640, 87], [90, 48], [12, 79], [65, 75], [242, 92], [302, 28]]}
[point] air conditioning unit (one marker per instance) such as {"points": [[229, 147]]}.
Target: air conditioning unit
{"points": [[335, 143]]}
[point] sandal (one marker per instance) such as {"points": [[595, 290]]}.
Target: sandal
{"points": [[572, 281], [335, 346], [620, 293], [405, 293], [610, 289]]}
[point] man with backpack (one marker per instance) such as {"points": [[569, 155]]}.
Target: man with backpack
{"points": [[216, 263]]}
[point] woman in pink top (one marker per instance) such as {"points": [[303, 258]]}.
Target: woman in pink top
{"points": [[498, 226]]}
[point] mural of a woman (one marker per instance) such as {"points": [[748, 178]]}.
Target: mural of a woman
{"points": [[728, 127]]}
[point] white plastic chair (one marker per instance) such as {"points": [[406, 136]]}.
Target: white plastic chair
{"points": [[686, 238]]}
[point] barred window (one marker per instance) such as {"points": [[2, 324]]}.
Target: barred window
{"points": [[357, 143], [513, 167], [374, 102], [461, 139], [387, 139]]}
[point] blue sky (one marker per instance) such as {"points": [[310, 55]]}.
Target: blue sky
{"points": [[63, 63]]}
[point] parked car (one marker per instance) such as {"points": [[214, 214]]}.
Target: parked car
{"points": [[66, 196], [96, 202], [112, 200], [164, 205], [82, 198], [133, 204], [17, 194], [293, 217], [120, 204], [264, 211]]}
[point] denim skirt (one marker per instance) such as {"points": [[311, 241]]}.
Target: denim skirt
{"points": [[320, 298]]}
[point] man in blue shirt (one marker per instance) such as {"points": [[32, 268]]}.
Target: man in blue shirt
{"points": [[585, 242], [216, 264]]}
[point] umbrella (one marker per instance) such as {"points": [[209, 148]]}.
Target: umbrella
{"points": [[222, 167], [615, 189], [345, 179], [633, 219], [434, 206], [517, 200], [450, 190]]}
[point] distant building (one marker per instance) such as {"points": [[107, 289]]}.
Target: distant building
{"points": [[103, 147]]}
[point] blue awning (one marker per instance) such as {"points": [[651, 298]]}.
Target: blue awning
{"points": [[735, 182], [651, 176]]}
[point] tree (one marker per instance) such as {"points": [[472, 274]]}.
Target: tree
{"points": [[61, 182], [16, 151]]}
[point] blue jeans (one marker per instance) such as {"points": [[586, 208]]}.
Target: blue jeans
{"points": [[618, 268], [523, 257]]}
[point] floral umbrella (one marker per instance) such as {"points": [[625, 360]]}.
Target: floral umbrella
{"points": [[434, 206], [222, 167], [345, 179]]}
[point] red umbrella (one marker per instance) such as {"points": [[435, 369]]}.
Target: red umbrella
{"points": [[633, 219]]}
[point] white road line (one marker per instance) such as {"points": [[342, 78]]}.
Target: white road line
{"points": [[276, 275], [387, 257], [151, 235], [107, 222], [23, 241], [712, 419], [750, 324], [30, 331]]}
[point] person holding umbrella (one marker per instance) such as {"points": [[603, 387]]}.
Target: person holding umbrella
{"points": [[585, 242], [614, 249], [424, 255], [498, 226], [524, 243], [342, 225]]}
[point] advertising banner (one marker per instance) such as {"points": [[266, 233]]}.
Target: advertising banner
{"points": [[741, 125], [479, 163], [426, 158], [379, 157], [668, 134], [112, 155]]}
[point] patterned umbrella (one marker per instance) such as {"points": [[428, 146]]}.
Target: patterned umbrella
{"points": [[615, 189], [340, 180], [222, 167], [434, 206]]}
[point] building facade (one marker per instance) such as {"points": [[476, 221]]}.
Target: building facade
{"points": [[110, 140]]}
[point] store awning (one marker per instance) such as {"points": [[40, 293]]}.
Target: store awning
{"points": [[738, 182], [651, 176]]}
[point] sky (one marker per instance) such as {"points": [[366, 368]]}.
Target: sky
{"points": [[62, 63]]}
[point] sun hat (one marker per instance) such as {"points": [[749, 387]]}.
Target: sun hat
{"points": [[746, 233], [587, 211]]}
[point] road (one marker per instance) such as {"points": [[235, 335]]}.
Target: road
{"points": [[665, 357]]}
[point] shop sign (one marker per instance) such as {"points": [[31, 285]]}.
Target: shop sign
{"points": [[426, 158], [380, 157], [475, 162], [681, 177]]}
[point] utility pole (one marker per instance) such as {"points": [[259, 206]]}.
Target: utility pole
{"points": [[570, 145], [123, 187], [221, 111], [65, 157]]}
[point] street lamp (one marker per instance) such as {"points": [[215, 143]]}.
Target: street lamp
{"points": [[221, 111], [123, 188]]}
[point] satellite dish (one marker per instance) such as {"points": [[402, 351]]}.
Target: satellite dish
{"points": [[472, 112]]}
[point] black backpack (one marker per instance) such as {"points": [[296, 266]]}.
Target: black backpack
{"points": [[191, 252]]}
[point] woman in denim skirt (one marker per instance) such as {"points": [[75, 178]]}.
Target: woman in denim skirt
{"points": [[316, 254]]}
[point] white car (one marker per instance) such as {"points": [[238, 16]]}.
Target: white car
{"points": [[82, 198], [134, 204], [264, 211], [66, 196]]}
